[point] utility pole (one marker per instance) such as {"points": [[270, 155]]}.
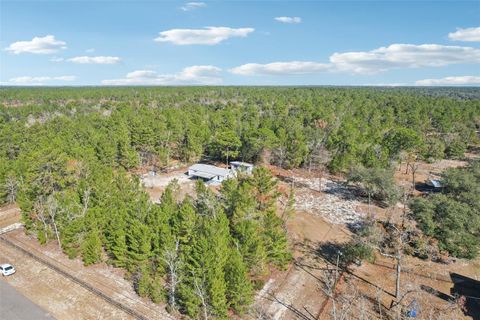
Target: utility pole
{"points": [[336, 269], [398, 257], [228, 151], [397, 284]]}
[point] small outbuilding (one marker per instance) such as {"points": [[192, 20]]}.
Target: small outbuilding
{"points": [[433, 183], [238, 166]]}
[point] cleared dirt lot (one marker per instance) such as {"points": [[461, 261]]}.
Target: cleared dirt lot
{"points": [[155, 184], [325, 209], [297, 293]]}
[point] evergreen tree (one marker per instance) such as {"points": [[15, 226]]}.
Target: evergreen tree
{"points": [[142, 281], [239, 287], [138, 242], [91, 248], [276, 242]]}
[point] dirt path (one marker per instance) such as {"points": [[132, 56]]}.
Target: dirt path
{"points": [[297, 294]]}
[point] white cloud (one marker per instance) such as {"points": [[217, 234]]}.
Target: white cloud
{"points": [[142, 74], [206, 36], [468, 34], [280, 68], [395, 56], [397, 84], [203, 75], [38, 45], [28, 80], [91, 50], [95, 60], [57, 59], [450, 81], [403, 56], [291, 20], [189, 6]]}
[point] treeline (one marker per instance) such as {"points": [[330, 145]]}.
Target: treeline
{"points": [[289, 127]]}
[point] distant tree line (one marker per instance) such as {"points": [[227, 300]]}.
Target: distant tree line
{"points": [[290, 127]]}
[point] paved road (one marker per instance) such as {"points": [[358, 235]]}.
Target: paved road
{"points": [[15, 306]]}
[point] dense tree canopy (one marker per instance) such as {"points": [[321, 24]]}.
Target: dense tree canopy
{"points": [[285, 126]]}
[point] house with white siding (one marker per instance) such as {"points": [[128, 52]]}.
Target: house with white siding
{"points": [[216, 175], [209, 173]]}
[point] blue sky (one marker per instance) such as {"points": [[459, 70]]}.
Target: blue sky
{"points": [[239, 42]]}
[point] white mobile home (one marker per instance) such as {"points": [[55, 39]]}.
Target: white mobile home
{"points": [[209, 173]]}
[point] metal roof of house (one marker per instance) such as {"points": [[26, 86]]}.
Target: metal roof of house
{"points": [[204, 175], [208, 171]]}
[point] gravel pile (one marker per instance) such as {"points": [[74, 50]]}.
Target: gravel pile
{"points": [[329, 199]]}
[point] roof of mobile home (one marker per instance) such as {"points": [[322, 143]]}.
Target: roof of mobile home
{"points": [[208, 171]]}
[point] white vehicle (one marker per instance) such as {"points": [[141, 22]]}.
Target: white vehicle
{"points": [[7, 269]]}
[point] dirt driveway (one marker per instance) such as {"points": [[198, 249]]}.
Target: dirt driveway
{"points": [[297, 294]]}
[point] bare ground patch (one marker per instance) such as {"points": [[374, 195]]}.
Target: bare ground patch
{"points": [[9, 214]]}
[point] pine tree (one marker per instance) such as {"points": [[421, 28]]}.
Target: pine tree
{"points": [[184, 223], [274, 234], [217, 236], [265, 188], [276, 242], [204, 264], [239, 287], [91, 248], [142, 281], [188, 301], [245, 221], [157, 293], [70, 235], [248, 234], [138, 242], [119, 249]]}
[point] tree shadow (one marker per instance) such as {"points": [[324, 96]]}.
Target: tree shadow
{"points": [[437, 293], [329, 251], [470, 289], [425, 188]]}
